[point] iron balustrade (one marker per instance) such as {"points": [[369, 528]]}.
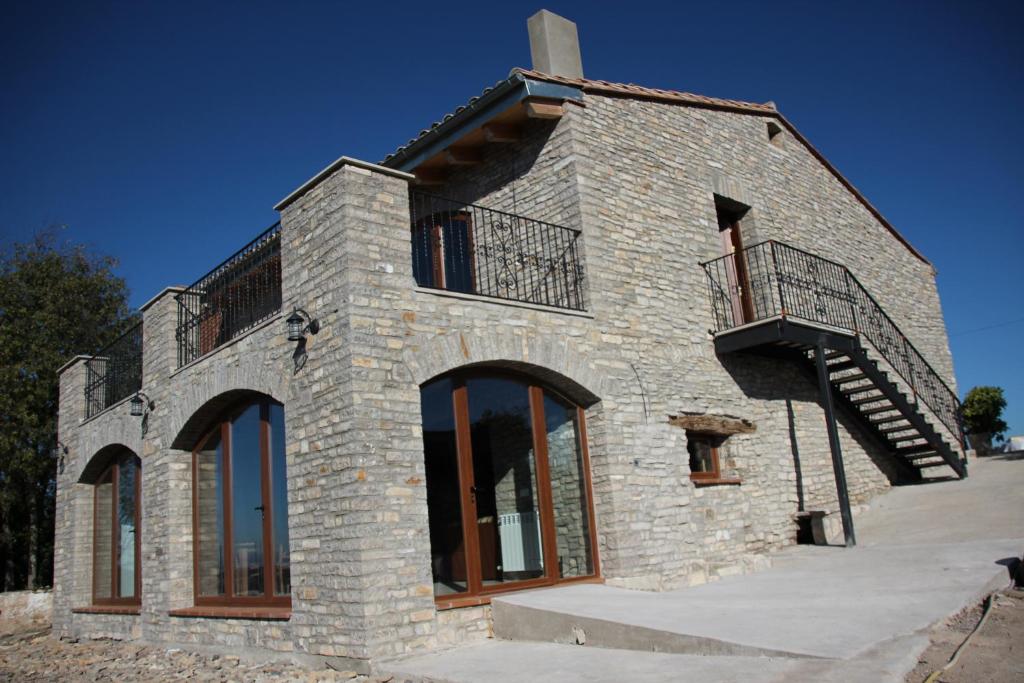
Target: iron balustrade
{"points": [[772, 278], [115, 372], [466, 248], [234, 297]]}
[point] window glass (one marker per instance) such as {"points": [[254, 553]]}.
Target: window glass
{"points": [[210, 515], [242, 509], [247, 504], [103, 543], [568, 488], [279, 502], [702, 455], [458, 253], [447, 550], [126, 482], [504, 480], [115, 575]]}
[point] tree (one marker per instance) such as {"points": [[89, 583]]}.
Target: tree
{"points": [[56, 300], [982, 412]]}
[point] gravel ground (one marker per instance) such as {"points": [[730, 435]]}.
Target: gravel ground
{"points": [[994, 655], [29, 654]]}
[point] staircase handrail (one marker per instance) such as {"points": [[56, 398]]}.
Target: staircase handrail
{"points": [[864, 305]]}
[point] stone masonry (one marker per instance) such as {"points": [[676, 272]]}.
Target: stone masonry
{"points": [[638, 178]]}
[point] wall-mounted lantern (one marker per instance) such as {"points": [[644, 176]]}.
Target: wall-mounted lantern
{"points": [[141, 404], [58, 453], [298, 325]]}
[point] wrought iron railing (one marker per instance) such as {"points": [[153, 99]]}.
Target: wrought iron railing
{"points": [[115, 372], [234, 297], [467, 248], [772, 278]]}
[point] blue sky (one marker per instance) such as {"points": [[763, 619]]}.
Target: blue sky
{"points": [[163, 133]]}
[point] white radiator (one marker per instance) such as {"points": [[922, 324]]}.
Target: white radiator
{"points": [[520, 541]]}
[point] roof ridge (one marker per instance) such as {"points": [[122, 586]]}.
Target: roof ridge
{"points": [[634, 90]]}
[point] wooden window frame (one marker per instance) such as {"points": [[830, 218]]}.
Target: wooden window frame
{"points": [[113, 471], [475, 593], [713, 477], [223, 426], [433, 225]]}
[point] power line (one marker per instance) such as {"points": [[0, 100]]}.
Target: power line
{"points": [[989, 327]]}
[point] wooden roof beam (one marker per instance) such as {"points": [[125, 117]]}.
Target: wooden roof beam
{"points": [[463, 156], [538, 109], [502, 132], [431, 176]]}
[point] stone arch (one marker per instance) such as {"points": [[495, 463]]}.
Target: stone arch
{"points": [[112, 429], [553, 359], [188, 434], [102, 459]]}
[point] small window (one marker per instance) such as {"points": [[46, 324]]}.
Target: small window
{"points": [[703, 450], [115, 578], [775, 134]]}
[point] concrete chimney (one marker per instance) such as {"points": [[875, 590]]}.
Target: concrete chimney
{"points": [[554, 45]]}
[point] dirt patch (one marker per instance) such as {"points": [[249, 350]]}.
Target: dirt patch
{"points": [[29, 654], [995, 654]]}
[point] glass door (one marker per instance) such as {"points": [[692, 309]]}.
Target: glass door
{"points": [[508, 487]]}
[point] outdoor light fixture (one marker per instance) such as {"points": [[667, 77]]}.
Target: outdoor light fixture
{"points": [[58, 453], [297, 325], [140, 404]]}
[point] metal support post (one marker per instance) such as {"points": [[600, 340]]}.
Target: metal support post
{"points": [[825, 388]]}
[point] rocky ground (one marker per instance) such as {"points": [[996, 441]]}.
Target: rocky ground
{"points": [[28, 654], [995, 654]]}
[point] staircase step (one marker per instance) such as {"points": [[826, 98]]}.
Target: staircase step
{"points": [[849, 378], [880, 409], [914, 450], [845, 365], [918, 457], [909, 437], [887, 420], [869, 399], [893, 430], [835, 354]]}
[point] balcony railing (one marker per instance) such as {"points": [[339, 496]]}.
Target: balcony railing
{"points": [[466, 248], [772, 278], [234, 297], [115, 372]]}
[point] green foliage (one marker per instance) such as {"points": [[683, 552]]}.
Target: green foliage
{"points": [[983, 410], [56, 301]]}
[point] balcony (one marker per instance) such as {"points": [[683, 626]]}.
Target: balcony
{"points": [[234, 297], [115, 372], [459, 247]]}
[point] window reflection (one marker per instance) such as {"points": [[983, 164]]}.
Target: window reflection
{"points": [[241, 508]]}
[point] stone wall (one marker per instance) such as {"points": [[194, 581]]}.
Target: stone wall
{"points": [[33, 605]]}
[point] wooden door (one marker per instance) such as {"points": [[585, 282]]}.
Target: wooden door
{"points": [[736, 267]]}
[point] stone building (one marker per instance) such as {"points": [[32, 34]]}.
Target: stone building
{"points": [[576, 331]]}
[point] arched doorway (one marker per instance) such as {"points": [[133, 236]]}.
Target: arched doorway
{"points": [[508, 485]]}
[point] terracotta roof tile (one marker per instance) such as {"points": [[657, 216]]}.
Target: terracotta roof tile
{"points": [[633, 90]]}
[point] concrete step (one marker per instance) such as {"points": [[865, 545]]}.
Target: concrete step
{"points": [[516, 621]]}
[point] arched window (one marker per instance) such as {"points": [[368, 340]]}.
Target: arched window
{"points": [[508, 485], [240, 509], [116, 576]]}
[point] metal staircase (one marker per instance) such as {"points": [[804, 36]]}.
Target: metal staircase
{"points": [[774, 299], [870, 395]]}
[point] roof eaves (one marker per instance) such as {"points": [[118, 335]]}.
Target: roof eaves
{"points": [[493, 101]]}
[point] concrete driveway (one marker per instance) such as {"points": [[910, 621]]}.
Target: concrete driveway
{"points": [[820, 614]]}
